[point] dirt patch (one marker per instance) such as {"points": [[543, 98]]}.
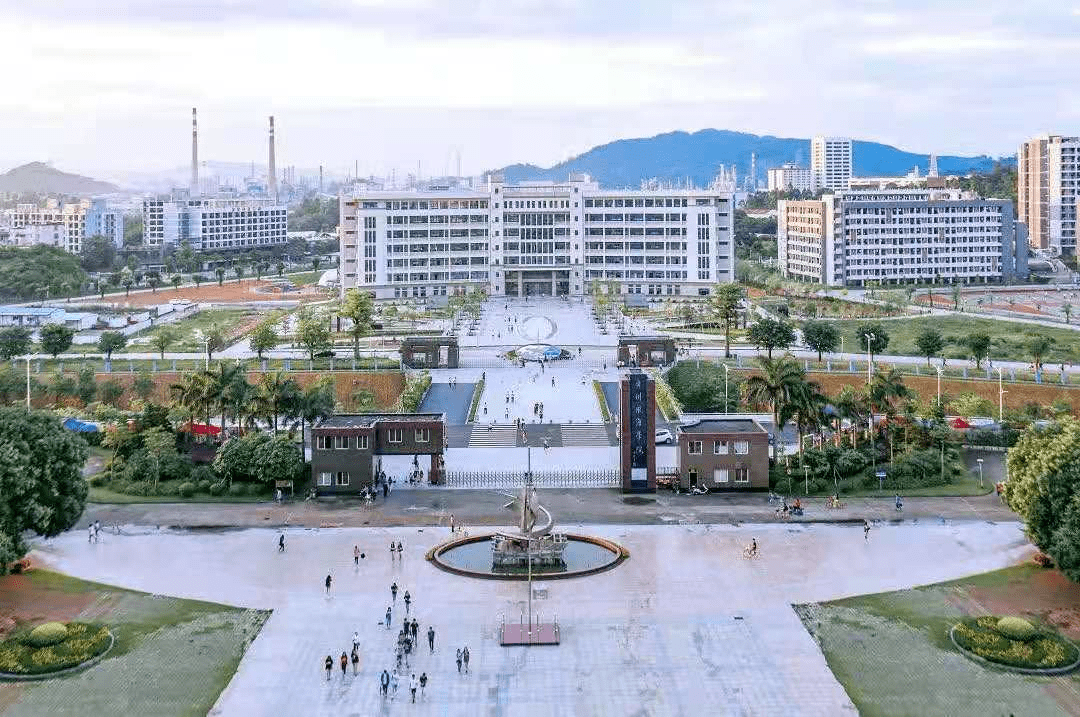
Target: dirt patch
{"points": [[1047, 596], [229, 292], [23, 599]]}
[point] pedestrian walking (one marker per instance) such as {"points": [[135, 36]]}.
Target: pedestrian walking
{"points": [[97, 530], [408, 600], [388, 618], [553, 382], [384, 682], [394, 682], [355, 641], [344, 664], [393, 591], [328, 581], [415, 629], [356, 555], [485, 409], [400, 550], [413, 684], [423, 683], [328, 663], [90, 533], [431, 638], [281, 543], [355, 661], [465, 658], [866, 530], [451, 522], [392, 550], [458, 658]]}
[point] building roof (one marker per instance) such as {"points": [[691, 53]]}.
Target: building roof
{"points": [[29, 310], [726, 425], [366, 420], [631, 339]]}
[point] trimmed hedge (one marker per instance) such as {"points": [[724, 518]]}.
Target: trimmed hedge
{"points": [[1039, 650], [81, 642], [48, 633]]}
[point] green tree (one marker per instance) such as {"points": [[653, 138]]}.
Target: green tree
{"points": [[363, 401], [880, 340], [1044, 490], [978, 344], [32, 273], [176, 280], [277, 459], [111, 391], [111, 341], [771, 334], [213, 340], [163, 338], [42, 489], [220, 271], [956, 297], [55, 339], [194, 394], [1039, 345], [160, 445], [143, 385], [1066, 309], [86, 389], [154, 280], [14, 341], [239, 271], [357, 307], [780, 384], [98, 253], [315, 261], [929, 342], [198, 279], [61, 386], [315, 402], [821, 336], [263, 338], [312, 333], [724, 306], [276, 395], [127, 280]]}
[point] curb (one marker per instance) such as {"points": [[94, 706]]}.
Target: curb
{"points": [[7, 676], [1048, 672]]}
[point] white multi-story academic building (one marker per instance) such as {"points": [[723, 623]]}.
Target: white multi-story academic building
{"points": [[536, 239], [790, 176], [830, 163], [105, 220], [209, 224], [1048, 191], [901, 236], [71, 216]]}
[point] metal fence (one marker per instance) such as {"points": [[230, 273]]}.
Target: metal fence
{"points": [[556, 478]]}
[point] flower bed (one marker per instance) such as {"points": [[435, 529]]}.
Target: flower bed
{"points": [[1013, 642], [52, 647]]}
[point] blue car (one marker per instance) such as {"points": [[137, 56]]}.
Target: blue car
{"points": [[552, 352]]}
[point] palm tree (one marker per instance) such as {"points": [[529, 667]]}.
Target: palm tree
{"points": [[315, 402], [888, 390], [850, 404], [779, 385], [808, 408], [221, 382], [275, 395], [194, 393]]}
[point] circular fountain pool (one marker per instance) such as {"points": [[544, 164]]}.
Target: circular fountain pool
{"points": [[584, 555]]}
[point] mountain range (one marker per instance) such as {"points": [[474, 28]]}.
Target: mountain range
{"points": [[677, 156], [42, 178]]}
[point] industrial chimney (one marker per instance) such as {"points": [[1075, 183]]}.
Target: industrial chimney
{"points": [[194, 153], [272, 183]]}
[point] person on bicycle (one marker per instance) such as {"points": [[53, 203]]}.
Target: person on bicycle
{"points": [[753, 546], [899, 502]]}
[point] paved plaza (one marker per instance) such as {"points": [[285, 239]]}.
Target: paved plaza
{"points": [[686, 626]]}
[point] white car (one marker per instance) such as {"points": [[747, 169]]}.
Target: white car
{"points": [[663, 435]]}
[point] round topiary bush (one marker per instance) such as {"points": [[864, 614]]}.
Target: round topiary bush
{"points": [[52, 647], [49, 633], [237, 489], [1016, 628], [219, 488], [1036, 649], [186, 489], [203, 486]]}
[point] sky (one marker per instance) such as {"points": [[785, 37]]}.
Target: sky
{"points": [[107, 87]]}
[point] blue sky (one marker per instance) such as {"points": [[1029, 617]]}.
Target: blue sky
{"points": [[109, 86]]}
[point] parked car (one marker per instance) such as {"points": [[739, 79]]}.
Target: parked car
{"points": [[663, 435]]}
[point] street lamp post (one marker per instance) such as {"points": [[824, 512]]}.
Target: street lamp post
{"points": [[727, 406], [806, 479], [980, 462], [1001, 399], [27, 383], [869, 399], [939, 372]]}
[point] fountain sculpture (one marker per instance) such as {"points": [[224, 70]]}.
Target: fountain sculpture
{"points": [[532, 545]]}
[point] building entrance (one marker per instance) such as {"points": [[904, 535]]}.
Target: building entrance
{"points": [[554, 282]]}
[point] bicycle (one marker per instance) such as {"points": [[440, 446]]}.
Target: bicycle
{"points": [[750, 551]]}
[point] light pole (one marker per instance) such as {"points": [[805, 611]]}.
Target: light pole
{"points": [[1001, 400], [28, 383], [869, 359], [727, 406], [806, 479], [870, 400], [980, 462], [939, 372]]}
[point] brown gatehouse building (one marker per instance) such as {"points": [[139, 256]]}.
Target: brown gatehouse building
{"points": [[346, 449], [646, 350], [725, 454], [430, 352]]}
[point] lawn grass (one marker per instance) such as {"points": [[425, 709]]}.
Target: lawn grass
{"points": [[1009, 339], [892, 653], [171, 656], [304, 278], [966, 486], [226, 320]]}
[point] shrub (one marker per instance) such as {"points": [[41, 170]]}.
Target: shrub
{"points": [[79, 643], [1043, 560], [237, 489], [203, 474], [186, 489], [218, 488], [1043, 650], [1016, 628], [203, 486], [49, 633]]}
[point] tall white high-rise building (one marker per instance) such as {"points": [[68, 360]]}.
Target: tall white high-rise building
{"points": [[790, 176], [1048, 190], [900, 236], [830, 163], [536, 239]]}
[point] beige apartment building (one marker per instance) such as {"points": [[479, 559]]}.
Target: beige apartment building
{"points": [[1048, 189]]}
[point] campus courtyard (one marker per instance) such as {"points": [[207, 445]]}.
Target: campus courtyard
{"points": [[685, 626]]}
